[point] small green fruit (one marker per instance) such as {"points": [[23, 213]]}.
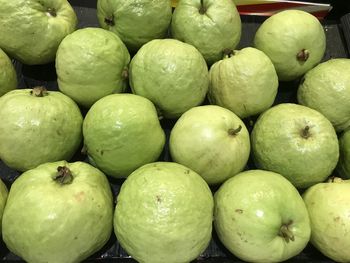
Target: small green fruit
{"points": [[8, 76], [343, 167]]}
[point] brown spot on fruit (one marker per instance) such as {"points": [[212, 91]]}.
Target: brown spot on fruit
{"points": [[79, 196], [240, 211]]}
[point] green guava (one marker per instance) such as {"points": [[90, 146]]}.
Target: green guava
{"points": [[212, 26], [136, 22], [164, 213], [3, 199], [58, 212], [343, 167], [260, 217], [244, 82], [31, 30], [329, 210], [212, 141], [121, 133], [8, 76], [170, 73], [294, 40], [91, 63], [296, 142], [38, 126], [326, 88]]}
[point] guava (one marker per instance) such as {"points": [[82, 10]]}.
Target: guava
{"points": [[38, 126], [170, 73], [260, 217], [164, 213], [121, 133], [329, 210], [3, 199], [245, 82], [294, 40], [91, 63], [212, 26], [296, 142], [343, 167], [58, 212], [212, 141], [8, 76], [326, 88], [136, 22], [31, 30]]}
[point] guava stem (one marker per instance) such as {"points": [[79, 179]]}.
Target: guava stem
{"points": [[52, 11], [63, 175], [234, 132], [227, 53], [286, 233], [334, 179], [303, 55], [39, 91], [110, 20], [202, 8], [305, 133]]}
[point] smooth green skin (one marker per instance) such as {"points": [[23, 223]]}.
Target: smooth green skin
{"points": [[343, 167], [30, 33], [136, 22], [45, 221], [8, 76], [277, 144], [170, 73], [250, 209], [328, 206], [3, 199], [121, 133], [282, 36], [36, 130], [326, 88], [91, 63], [201, 141], [219, 28], [245, 83], [164, 213]]}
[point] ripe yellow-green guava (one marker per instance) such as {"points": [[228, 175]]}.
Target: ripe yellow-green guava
{"points": [[31, 30], [38, 126], [245, 82], [136, 22], [164, 213], [343, 167], [91, 63], [8, 76], [212, 26], [294, 40], [121, 133], [58, 212], [170, 73]]}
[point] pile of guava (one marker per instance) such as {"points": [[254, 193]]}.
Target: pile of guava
{"points": [[164, 134]]}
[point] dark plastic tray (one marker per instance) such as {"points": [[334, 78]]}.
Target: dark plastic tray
{"points": [[338, 45]]}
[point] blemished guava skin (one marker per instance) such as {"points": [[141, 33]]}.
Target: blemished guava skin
{"points": [[212, 27], [164, 213], [244, 82], [208, 140], [31, 30], [36, 130], [91, 63], [8, 76], [47, 221], [328, 206], [121, 133], [326, 88], [136, 22], [343, 167], [294, 40], [296, 142], [251, 211], [170, 73], [3, 199]]}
